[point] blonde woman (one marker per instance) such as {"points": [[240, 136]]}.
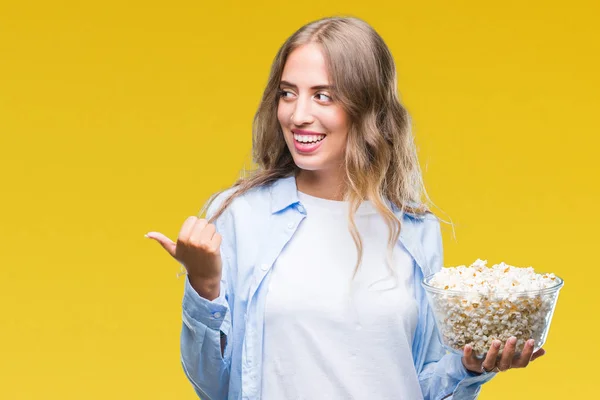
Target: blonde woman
{"points": [[303, 281]]}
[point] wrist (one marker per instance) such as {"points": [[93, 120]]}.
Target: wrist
{"points": [[206, 288], [467, 369]]}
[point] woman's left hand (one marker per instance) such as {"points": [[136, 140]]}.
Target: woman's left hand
{"points": [[508, 360]]}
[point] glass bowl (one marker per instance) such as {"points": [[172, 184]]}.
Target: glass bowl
{"points": [[477, 319]]}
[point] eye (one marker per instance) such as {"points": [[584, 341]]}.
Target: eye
{"points": [[282, 93], [327, 96]]}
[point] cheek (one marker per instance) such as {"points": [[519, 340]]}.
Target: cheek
{"points": [[283, 114], [282, 117], [337, 122], [342, 121]]}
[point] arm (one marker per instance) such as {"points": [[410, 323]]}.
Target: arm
{"points": [[201, 343], [206, 324], [443, 375]]}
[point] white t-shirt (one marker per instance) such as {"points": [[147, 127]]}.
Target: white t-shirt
{"points": [[328, 336]]}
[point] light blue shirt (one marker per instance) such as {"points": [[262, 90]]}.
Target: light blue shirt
{"points": [[255, 228]]}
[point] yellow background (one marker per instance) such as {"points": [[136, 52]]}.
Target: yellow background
{"points": [[118, 118]]}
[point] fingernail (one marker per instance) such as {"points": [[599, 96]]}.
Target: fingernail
{"points": [[530, 342], [512, 340], [496, 344]]}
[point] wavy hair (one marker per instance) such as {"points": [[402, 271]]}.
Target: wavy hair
{"points": [[381, 163]]}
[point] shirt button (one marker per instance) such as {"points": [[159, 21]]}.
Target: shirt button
{"points": [[291, 225], [264, 267], [217, 315]]}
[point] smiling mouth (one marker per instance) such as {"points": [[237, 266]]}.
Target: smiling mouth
{"points": [[308, 139]]}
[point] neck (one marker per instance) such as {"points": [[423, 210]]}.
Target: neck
{"points": [[326, 185]]}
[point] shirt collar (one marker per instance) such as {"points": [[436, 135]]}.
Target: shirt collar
{"points": [[284, 193]]}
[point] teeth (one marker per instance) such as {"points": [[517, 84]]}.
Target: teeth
{"points": [[308, 138]]}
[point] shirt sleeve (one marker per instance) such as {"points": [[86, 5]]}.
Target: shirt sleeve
{"points": [[443, 375], [203, 323]]}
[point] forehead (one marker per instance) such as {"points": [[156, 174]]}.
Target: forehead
{"points": [[305, 66]]}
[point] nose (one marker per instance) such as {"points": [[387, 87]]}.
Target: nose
{"points": [[302, 114]]}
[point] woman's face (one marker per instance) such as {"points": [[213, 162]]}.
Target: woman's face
{"points": [[314, 124]]}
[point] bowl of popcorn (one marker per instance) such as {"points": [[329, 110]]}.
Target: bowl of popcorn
{"points": [[478, 304]]}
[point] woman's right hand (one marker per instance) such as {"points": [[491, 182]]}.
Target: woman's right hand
{"points": [[198, 250]]}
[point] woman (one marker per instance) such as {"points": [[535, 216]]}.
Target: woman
{"points": [[304, 280]]}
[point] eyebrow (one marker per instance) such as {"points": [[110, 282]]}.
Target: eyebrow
{"points": [[318, 87]]}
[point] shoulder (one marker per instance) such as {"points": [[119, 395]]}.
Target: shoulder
{"points": [[431, 220], [216, 201], [432, 242], [423, 227], [430, 227], [423, 221], [422, 234], [256, 199]]}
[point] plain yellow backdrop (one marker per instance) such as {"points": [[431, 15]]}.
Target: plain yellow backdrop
{"points": [[118, 118]]}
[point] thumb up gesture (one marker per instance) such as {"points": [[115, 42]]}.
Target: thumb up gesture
{"points": [[198, 250]]}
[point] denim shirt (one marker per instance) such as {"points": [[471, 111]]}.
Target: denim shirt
{"points": [[254, 230]]}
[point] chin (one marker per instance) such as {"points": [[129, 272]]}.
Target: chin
{"points": [[314, 164], [307, 166]]}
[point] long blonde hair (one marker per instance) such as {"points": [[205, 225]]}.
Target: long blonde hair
{"points": [[381, 162]]}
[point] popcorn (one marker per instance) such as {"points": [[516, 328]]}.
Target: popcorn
{"points": [[476, 305]]}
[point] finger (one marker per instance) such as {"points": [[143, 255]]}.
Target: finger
{"points": [[490, 359], [164, 241], [507, 354], [468, 352], [216, 241], [538, 354], [196, 229], [525, 357], [470, 362], [186, 229], [207, 233], [203, 233]]}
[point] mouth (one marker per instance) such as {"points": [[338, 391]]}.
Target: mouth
{"points": [[312, 138], [307, 143]]}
